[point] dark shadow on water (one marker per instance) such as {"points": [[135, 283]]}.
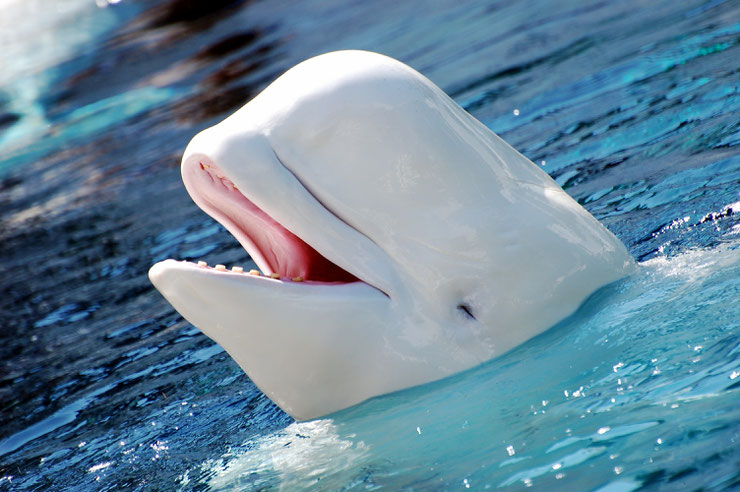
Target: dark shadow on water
{"points": [[197, 14], [230, 44]]}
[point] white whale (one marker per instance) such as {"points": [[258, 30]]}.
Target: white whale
{"points": [[426, 244]]}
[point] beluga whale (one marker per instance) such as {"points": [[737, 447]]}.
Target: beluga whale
{"points": [[398, 239]]}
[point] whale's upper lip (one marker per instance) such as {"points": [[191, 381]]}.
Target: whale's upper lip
{"points": [[280, 254]]}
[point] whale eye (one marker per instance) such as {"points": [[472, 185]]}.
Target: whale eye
{"points": [[466, 310]]}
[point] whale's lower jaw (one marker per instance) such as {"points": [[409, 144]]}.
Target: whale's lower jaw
{"points": [[313, 348]]}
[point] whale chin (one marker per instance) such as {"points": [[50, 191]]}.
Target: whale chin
{"points": [[380, 215]]}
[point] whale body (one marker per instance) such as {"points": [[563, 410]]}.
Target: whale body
{"points": [[399, 240]]}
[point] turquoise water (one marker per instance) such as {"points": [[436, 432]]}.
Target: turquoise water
{"points": [[633, 108]]}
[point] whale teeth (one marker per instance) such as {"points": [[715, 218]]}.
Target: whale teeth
{"points": [[254, 272]]}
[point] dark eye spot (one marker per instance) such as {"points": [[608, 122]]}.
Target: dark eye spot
{"points": [[467, 310]]}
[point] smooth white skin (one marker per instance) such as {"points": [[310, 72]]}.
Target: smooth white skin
{"points": [[377, 169]]}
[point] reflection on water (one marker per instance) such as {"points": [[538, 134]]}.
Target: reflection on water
{"points": [[632, 107]]}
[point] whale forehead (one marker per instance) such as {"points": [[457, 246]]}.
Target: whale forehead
{"points": [[371, 129]]}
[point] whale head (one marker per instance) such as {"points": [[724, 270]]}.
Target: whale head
{"points": [[399, 239]]}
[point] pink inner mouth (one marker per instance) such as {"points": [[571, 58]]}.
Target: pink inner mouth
{"points": [[285, 253]]}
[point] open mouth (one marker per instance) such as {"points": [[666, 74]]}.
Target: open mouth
{"points": [[278, 252]]}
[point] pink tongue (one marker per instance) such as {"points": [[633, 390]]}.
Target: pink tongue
{"points": [[284, 252]]}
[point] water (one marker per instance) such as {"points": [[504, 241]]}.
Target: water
{"points": [[632, 107]]}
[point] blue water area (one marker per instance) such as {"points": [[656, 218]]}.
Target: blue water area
{"points": [[633, 107]]}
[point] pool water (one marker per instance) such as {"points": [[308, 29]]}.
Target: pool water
{"points": [[633, 108]]}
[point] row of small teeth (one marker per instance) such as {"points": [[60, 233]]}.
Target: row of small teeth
{"points": [[256, 273]]}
